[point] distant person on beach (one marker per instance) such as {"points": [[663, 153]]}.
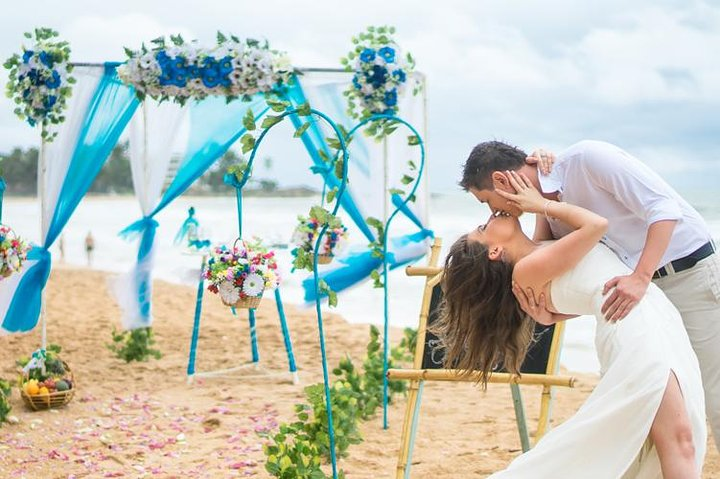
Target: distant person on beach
{"points": [[61, 247], [646, 416], [655, 232], [89, 247]]}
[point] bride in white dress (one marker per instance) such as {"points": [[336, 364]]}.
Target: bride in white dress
{"points": [[645, 418]]}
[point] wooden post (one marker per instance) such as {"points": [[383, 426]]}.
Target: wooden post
{"points": [[548, 393], [413, 406]]}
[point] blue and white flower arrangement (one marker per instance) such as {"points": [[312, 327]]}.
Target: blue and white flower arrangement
{"points": [[178, 70], [39, 80], [382, 73]]}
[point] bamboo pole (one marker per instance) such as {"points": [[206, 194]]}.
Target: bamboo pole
{"points": [[422, 270], [454, 375], [553, 366], [412, 407]]}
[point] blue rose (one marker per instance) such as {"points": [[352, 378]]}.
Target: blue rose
{"points": [[387, 53], [180, 77], [162, 58], [54, 81], [178, 62], [26, 93], [27, 55], [50, 101], [210, 77], [356, 83], [377, 76], [165, 78], [46, 59], [209, 62], [389, 111], [367, 55], [399, 76], [391, 97], [226, 65]]}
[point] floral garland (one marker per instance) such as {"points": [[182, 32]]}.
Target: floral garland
{"points": [[39, 80], [179, 71], [244, 271], [13, 252], [381, 73], [307, 231]]}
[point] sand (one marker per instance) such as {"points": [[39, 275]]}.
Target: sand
{"points": [[144, 420]]}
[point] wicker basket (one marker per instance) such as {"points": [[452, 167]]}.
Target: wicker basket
{"points": [[52, 400], [251, 302], [325, 258]]}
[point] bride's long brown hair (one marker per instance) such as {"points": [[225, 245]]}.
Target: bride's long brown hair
{"points": [[480, 325]]}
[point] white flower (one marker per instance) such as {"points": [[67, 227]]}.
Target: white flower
{"points": [[228, 292], [253, 285], [367, 89], [147, 60]]}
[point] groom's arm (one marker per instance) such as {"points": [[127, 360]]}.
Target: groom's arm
{"points": [[542, 229], [643, 193]]}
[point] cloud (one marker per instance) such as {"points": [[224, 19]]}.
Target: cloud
{"points": [[639, 74]]}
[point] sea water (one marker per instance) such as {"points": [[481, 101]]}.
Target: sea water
{"points": [[274, 220]]}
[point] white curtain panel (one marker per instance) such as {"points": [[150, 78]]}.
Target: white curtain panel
{"points": [[151, 144]]}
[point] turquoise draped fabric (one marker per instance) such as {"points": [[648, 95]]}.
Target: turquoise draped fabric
{"points": [[110, 109], [214, 126]]}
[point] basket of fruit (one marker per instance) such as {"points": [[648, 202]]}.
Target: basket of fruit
{"points": [[46, 381]]}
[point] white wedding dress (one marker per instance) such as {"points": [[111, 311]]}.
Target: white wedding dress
{"points": [[608, 437]]}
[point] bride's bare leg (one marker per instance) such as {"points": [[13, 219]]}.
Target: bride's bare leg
{"points": [[672, 434]]}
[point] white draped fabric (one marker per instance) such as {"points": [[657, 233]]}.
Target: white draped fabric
{"points": [[152, 133]]}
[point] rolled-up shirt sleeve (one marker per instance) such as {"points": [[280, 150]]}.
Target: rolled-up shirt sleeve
{"points": [[632, 183]]}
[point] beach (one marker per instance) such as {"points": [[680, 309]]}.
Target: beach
{"points": [[144, 420]]}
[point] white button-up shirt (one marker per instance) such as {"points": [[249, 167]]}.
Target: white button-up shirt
{"points": [[609, 181]]}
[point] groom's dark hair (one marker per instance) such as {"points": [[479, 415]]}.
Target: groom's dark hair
{"points": [[487, 157]]}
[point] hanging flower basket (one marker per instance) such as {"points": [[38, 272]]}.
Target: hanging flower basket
{"points": [[241, 274], [46, 381], [13, 252], [306, 234]]}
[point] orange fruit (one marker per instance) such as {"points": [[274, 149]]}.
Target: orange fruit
{"points": [[31, 388]]}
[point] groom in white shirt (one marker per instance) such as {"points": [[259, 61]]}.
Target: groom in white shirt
{"points": [[651, 228]]}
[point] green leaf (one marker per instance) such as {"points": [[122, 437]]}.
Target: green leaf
{"points": [[301, 129], [304, 109], [406, 180], [220, 37], [249, 120], [413, 140], [331, 195], [412, 165], [396, 191], [270, 120], [277, 105]]}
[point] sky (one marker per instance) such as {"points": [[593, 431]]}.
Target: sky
{"points": [[643, 74]]}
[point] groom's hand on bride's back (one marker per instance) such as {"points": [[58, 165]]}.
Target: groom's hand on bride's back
{"points": [[544, 159], [627, 291]]}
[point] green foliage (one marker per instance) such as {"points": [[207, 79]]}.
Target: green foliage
{"points": [[296, 450], [53, 364], [20, 170], [41, 98], [135, 345], [5, 407], [238, 169], [376, 247]]}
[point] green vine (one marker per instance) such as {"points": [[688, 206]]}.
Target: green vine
{"points": [[5, 408], [134, 345], [297, 449]]}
